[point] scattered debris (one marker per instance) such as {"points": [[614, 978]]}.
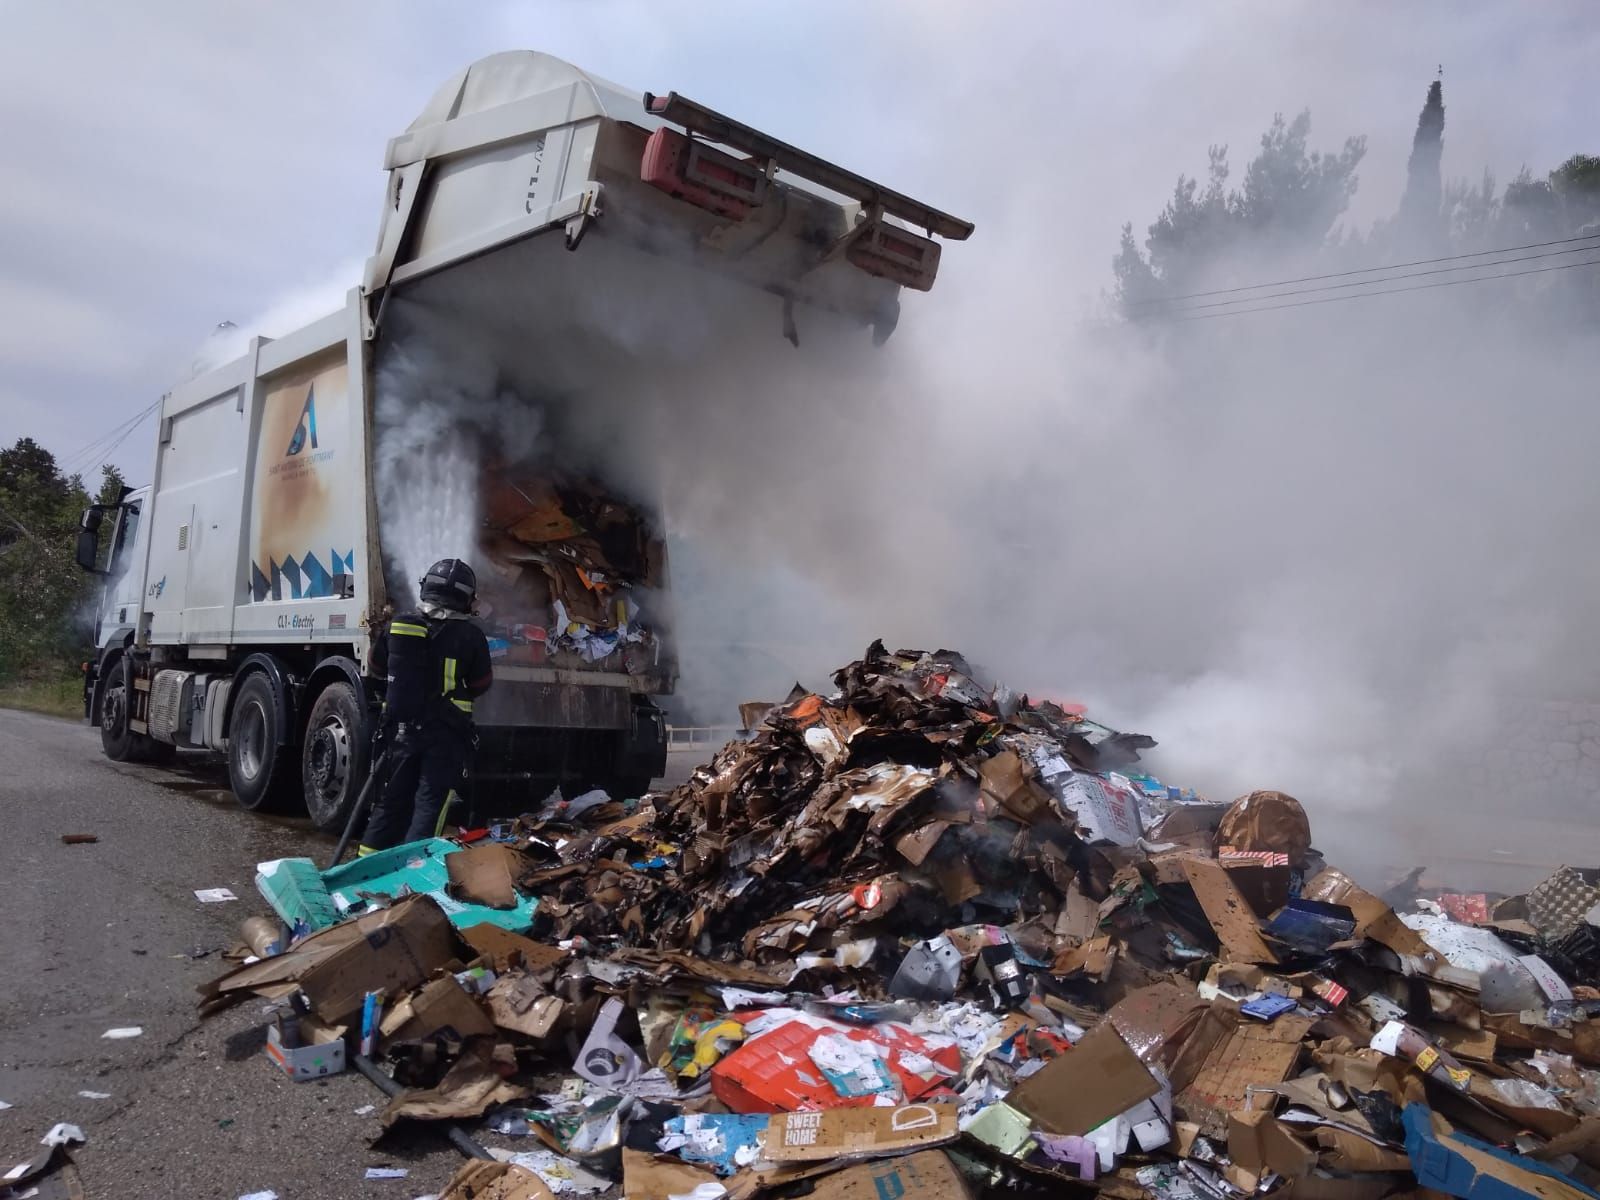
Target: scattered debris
{"points": [[214, 895], [387, 1173], [63, 1134], [95, 1095], [79, 839], [124, 1031], [923, 936]]}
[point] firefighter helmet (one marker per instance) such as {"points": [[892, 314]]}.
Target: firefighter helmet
{"points": [[451, 584]]}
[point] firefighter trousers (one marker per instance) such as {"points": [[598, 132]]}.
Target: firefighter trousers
{"points": [[421, 774]]}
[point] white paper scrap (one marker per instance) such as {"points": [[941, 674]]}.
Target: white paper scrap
{"points": [[95, 1095], [214, 895], [125, 1031], [387, 1172]]}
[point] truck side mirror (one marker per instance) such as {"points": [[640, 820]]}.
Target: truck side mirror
{"points": [[88, 549], [88, 552]]}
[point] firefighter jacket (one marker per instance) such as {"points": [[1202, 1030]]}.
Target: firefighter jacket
{"points": [[435, 667]]}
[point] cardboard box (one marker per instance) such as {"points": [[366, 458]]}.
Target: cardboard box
{"points": [[1258, 1143], [439, 1007], [390, 951], [926, 1175], [1099, 1078], [858, 1132], [320, 1054], [1224, 1057]]}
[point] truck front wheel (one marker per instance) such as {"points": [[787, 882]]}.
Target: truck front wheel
{"points": [[119, 742], [261, 770], [333, 760]]}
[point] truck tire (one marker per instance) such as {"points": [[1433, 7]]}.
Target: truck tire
{"points": [[333, 757], [627, 787], [263, 773], [119, 742]]}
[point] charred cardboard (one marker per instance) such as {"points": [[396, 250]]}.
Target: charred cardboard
{"points": [[1265, 888], [926, 1175], [440, 1007], [858, 1132], [1231, 917], [469, 1088], [482, 1180], [1096, 1080], [391, 950]]}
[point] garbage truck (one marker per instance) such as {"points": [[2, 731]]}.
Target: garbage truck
{"points": [[558, 252]]}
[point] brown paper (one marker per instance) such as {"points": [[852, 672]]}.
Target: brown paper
{"points": [[858, 1132], [1097, 1079], [1270, 821]]}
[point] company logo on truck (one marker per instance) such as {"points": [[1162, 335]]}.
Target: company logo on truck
{"points": [[296, 621], [307, 426]]}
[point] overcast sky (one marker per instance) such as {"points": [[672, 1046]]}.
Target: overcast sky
{"points": [[168, 166]]}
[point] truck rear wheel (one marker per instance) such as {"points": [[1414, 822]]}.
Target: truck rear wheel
{"points": [[262, 772], [333, 759]]}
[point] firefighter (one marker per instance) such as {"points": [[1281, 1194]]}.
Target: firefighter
{"points": [[437, 663]]}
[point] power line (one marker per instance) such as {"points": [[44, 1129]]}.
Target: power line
{"points": [[80, 458], [1334, 287], [1420, 262], [1416, 287]]}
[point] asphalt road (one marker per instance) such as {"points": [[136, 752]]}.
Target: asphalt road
{"points": [[95, 937]]}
